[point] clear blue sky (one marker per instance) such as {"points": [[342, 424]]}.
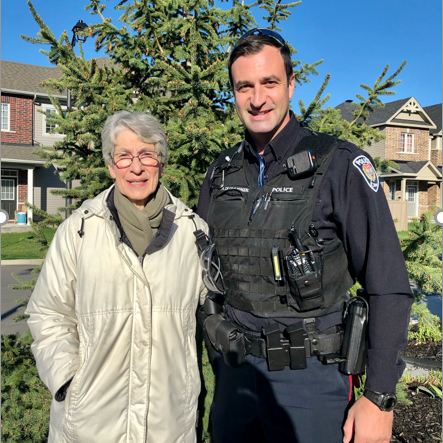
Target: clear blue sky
{"points": [[356, 39]]}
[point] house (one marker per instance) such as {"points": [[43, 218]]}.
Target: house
{"points": [[24, 130], [413, 140]]}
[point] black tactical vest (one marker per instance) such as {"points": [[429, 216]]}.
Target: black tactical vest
{"points": [[248, 224]]}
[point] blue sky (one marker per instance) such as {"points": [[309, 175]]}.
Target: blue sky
{"points": [[356, 39]]}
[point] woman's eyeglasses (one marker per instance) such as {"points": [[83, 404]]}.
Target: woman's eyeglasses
{"points": [[262, 31], [124, 160]]}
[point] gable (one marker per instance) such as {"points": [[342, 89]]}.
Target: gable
{"points": [[411, 114]]}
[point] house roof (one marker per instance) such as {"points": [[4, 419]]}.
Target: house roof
{"points": [[379, 116], [20, 154], [435, 113], [392, 113], [24, 78], [410, 167], [21, 77]]}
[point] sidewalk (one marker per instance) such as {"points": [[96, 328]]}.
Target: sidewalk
{"points": [[34, 262], [14, 227]]}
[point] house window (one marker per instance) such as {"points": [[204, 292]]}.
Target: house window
{"points": [[5, 116], [49, 120], [9, 173], [392, 190], [8, 188], [411, 192], [407, 143]]}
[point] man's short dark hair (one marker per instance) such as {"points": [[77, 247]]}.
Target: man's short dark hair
{"points": [[253, 45]]}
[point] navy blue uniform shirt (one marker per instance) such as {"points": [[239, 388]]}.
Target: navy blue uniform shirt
{"points": [[349, 208]]}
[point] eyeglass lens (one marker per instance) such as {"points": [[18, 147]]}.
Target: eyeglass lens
{"points": [[145, 158]]}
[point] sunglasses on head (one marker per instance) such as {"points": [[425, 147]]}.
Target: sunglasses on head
{"points": [[262, 31]]}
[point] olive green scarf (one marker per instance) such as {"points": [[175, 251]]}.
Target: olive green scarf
{"points": [[140, 226]]}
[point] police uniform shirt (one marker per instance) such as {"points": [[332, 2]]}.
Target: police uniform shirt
{"points": [[351, 205]]}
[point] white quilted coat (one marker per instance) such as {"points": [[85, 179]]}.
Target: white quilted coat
{"points": [[124, 330]]}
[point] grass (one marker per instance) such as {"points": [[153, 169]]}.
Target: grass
{"points": [[19, 245], [404, 234]]}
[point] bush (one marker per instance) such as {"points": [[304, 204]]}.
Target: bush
{"points": [[26, 401]]}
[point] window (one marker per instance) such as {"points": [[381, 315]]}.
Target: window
{"points": [[49, 120], [411, 192], [407, 143], [5, 117], [9, 173], [8, 187], [392, 190]]}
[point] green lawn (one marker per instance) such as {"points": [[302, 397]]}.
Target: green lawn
{"points": [[404, 234], [18, 245]]}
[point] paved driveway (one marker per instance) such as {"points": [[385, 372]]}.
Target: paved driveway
{"points": [[9, 296]]}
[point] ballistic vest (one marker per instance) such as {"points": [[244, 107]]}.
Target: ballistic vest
{"points": [[250, 227]]}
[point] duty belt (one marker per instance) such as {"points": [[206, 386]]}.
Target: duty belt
{"points": [[303, 342], [290, 348]]}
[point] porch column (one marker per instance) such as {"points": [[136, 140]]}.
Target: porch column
{"points": [[30, 192], [403, 189]]}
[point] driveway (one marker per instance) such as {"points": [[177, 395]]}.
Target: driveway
{"points": [[9, 296]]}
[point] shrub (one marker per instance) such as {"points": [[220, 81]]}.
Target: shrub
{"points": [[26, 401]]}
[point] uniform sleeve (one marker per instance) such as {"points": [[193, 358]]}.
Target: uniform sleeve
{"points": [[365, 225], [52, 321]]}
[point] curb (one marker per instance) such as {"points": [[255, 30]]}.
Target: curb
{"points": [[35, 262]]}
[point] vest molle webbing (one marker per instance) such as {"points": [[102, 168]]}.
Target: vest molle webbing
{"points": [[248, 223]]}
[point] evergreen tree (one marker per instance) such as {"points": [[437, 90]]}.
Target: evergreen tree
{"points": [[169, 58], [422, 250]]}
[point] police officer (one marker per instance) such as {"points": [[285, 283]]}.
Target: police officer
{"points": [[283, 176]]}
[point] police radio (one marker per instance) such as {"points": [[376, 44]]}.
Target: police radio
{"points": [[301, 165]]}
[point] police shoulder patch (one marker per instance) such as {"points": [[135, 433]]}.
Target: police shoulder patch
{"points": [[366, 169]]}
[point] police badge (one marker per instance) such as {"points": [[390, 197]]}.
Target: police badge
{"points": [[366, 169]]}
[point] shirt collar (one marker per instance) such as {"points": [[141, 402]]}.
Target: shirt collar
{"points": [[279, 145]]}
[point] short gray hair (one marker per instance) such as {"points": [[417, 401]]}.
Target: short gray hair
{"points": [[147, 128]]}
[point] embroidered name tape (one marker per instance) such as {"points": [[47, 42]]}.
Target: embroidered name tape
{"points": [[366, 169]]}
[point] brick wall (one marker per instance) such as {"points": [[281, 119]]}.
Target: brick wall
{"points": [[428, 197], [20, 123], [436, 157], [434, 194], [421, 144], [22, 192]]}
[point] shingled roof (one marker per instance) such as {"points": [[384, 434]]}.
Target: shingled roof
{"points": [[24, 78], [379, 116], [409, 167], [435, 114], [21, 153]]}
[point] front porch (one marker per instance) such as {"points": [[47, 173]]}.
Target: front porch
{"points": [[411, 190]]}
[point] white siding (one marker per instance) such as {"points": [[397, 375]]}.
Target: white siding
{"points": [[39, 123]]}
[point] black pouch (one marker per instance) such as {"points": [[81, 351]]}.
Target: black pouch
{"points": [[306, 290], [227, 339], [304, 282]]}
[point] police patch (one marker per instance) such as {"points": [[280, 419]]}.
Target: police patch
{"points": [[366, 169]]}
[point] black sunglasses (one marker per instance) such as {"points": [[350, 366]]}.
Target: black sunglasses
{"points": [[262, 31]]}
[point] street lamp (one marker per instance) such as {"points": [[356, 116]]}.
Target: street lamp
{"points": [[80, 26]]}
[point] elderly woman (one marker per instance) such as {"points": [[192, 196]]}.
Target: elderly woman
{"points": [[113, 311]]}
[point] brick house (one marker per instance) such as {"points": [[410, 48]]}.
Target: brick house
{"points": [[24, 130], [413, 140]]}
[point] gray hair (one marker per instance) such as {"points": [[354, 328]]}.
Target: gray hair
{"points": [[147, 128]]}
